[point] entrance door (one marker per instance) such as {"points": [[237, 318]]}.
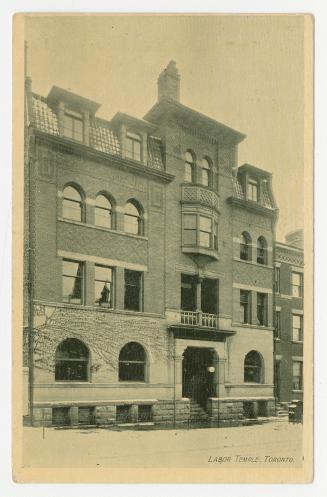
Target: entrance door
{"points": [[198, 381]]}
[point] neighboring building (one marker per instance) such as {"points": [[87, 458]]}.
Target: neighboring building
{"points": [[148, 265], [289, 332]]}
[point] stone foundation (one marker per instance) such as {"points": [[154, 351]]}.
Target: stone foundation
{"points": [[170, 411]]}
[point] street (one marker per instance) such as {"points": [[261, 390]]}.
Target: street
{"points": [[276, 443]]}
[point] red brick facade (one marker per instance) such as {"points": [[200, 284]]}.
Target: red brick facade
{"points": [[100, 162]]}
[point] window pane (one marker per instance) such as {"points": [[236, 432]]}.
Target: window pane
{"points": [[188, 173], [205, 239], [102, 217], [131, 224], [137, 151], [190, 221], [189, 237], [205, 224], [71, 193], [72, 282], [68, 126], [296, 321], [71, 210], [205, 177], [78, 130], [102, 201], [71, 268], [131, 209], [71, 371], [102, 291], [132, 299], [189, 157], [103, 273]]}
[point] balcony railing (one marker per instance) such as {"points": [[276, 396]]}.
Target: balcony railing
{"points": [[194, 318]]}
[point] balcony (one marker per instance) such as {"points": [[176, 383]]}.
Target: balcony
{"points": [[197, 194], [198, 325], [204, 319]]}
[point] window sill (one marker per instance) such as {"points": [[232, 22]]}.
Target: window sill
{"points": [[277, 339], [297, 391], [196, 249], [256, 326], [101, 228], [97, 309], [238, 259], [298, 341]]}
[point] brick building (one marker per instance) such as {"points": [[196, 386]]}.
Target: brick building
{"points": [[149, 269], [289, 318]]}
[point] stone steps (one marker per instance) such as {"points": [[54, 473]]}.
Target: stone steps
{"points": [[197, 412]]}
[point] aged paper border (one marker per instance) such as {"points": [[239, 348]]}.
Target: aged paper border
{"points": [[155, 475]]}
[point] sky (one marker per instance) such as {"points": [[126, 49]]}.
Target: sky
{"points": [[244, 71]]}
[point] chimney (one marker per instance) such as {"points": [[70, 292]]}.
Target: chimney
{"points": [[169, 83]]}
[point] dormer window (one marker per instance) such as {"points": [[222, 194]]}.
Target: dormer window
{"points": [[133, 146], [253, 190], [73, 125]]}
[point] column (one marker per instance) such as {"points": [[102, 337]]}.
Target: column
{"points": [[119, 287], [221, 392], [178, 376], [198, 299]]}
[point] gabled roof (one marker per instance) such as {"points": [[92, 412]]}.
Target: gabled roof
{"points": [[171, 108]]}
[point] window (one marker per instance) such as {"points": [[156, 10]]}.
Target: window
{"points": [[103, 215], [72, 361], [132, 219], [277, 279], [253, 372], [189, 168], [297, 285], [103, 285], [277, 325], [190, 229], [200, 230], [133, 283], [188, 292], [132, 362], [205, 232], [133, 146], [245, 306], [262, 309], [297, 328], [253, 190], [261, 250], [72, 206], [73, 125], [245, 247], [72, 281], [205, 172], [297, 375]]}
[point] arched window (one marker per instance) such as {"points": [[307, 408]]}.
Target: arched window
{"points": [[132, 361], [245, 247], [72, 361], [261, 250], [103, 212], [133, 219], [189, 167], [253, 370], [205, 172], [72, 205]]}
